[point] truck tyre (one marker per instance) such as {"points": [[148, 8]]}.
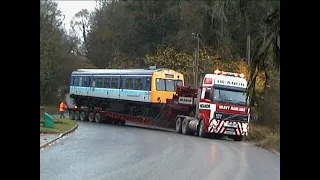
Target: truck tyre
{"points": [[91, 117], [77, 115], [237, 138], [202, 132], [71, 115], [185, 127], [97, 118], [179, 125], [83, 116]]}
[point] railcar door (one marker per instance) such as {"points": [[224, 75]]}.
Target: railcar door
{"points": [[148, 90], [121, 86], [92, 86]]}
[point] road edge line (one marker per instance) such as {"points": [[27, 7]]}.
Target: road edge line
{"points": [[60, 136]]}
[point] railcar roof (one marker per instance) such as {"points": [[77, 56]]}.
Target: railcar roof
{"points": [[115, 71]]}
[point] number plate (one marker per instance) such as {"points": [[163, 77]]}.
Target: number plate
{"points": [[229, 132]]}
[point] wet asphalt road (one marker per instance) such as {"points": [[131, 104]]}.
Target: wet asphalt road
{"points": [[111, 152]]}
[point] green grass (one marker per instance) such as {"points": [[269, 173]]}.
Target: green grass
{"points": [[51, 108], [264, 137], [60, 126]]}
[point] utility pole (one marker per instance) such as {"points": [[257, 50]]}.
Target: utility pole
{"points": [[194, 65], [248, 50], [196, 61]]}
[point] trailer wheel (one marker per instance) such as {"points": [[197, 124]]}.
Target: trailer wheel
{"points": [[185, 127], [71, 115], [83, 116], [179, 125], [77, 115], [122, 122], [97, 117], [202, 132], [237, 138], [91, 117]]}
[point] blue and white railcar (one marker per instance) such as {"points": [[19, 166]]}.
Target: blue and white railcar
{"points": [[124, 84]]}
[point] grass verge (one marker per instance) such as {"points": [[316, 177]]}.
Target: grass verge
{"points": [[60, 126], [50, 108], [264, 137]]}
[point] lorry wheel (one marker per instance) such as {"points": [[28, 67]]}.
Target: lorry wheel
{"points": [[97, 118], [237, 138], [202, 132], [83, 116], [77, 115], [185, 127], [91, 116], [179, 125], [71, 115]]}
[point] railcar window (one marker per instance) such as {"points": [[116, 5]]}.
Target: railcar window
{"points": [[86, 82], [80, 81], [122, 83], [71, 81], [148, 84], [98, 82], [76, 81], [138, 83], [160, 85], [114, 83], [106, 82], [170, 85], [93, 82], [178, 83], [129, 83], [167, 84]]}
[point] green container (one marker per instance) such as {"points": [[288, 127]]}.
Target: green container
{"points": [[48, 121]]}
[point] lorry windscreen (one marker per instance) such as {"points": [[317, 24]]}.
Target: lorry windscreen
{"points": [[230, 96]]}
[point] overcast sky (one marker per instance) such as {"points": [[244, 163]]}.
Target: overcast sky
{"points": [[70, 8]]}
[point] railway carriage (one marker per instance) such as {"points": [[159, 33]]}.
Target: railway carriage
{"points": [[131, 91]]}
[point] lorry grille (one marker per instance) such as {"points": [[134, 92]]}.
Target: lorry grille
{"points": [[235, 117]]}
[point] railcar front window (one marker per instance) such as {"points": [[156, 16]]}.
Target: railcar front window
{"points": [[167, 84], [160, 85], [170, 85], [178, 83]]}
